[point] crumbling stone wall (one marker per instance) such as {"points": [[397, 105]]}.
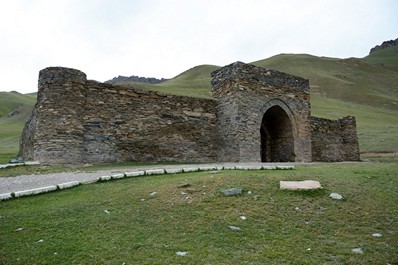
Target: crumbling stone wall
{"points": [[257, 115], [334, 140], [81, 121]]}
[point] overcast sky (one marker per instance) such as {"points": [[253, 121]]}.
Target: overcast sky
{"points": [[162, 38]]}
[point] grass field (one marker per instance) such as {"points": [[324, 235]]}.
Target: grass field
{"points": [[118, 222]]}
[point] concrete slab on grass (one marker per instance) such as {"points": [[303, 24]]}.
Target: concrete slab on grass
{"points": [[34, 191], [134, 173], [300, 185]]}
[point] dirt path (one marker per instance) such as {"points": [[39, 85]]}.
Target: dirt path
{"points": [[26, 182]]}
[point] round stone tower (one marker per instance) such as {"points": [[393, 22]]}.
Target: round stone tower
{"points": [[54, 132]]}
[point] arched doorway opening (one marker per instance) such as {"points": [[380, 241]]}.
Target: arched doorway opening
{"points": [[277, 143]]}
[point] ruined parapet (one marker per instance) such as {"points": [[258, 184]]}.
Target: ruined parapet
{"points": [[54, 132], [334, 140], [256, 105], [350, 139], [84, 121], [255, 78]]}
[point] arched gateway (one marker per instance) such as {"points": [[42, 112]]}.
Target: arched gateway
{"points": [[263, 115], [277, 143]]}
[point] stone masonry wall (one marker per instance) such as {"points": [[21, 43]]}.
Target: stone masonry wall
{"points": [[55, 130], [125, 124], [257, 114], [245, 93], [80, 121], [334, 140]]}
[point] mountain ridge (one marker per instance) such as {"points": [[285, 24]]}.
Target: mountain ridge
{"points": [[384, 45], [126, 79]]}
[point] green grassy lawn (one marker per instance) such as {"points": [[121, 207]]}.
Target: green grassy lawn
{"points": [[282, 227]]}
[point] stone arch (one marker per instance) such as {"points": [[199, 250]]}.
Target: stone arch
{"points": [[277, 132]]}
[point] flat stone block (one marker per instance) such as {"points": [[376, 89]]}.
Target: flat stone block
{"points": [[11, 165], [300, 185], [229, 167], [32, 163], [269, 167], [117, 176], [134, 173], [154, 171], [105, 178], [285, 167], [207, 168], [248, 167], [5, 196], [219, 168], [190, 169], [34, 191], [68, 185], [173, 170]]}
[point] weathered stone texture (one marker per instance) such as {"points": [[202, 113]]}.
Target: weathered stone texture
{"points": [[334, 140], [245, 94], [80, 121], [257, 115]]}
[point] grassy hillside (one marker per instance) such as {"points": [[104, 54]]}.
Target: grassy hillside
{"points": [[352, 80], [14, 110], [385, 57], [194, 82]]}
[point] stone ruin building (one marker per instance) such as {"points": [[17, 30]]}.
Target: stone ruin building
{"points": [[256, 115]]}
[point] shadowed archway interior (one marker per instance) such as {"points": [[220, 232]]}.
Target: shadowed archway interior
{"points": [[277, 143]]}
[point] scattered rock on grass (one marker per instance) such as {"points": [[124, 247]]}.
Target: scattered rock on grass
{"points": [[377, 235], [234, 228], [336, 196], [357, 250], [184, 185], [232, 192], [182, 253], [153, 194]]}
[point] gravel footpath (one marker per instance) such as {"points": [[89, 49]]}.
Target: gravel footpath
{"points": [[26, 182]]}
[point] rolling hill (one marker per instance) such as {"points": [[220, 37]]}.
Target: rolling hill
{"points": [[364, 87], [14, 110]]}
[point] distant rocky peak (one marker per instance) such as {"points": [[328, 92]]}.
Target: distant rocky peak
{"points": [[384, 45], [133, 78]]}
